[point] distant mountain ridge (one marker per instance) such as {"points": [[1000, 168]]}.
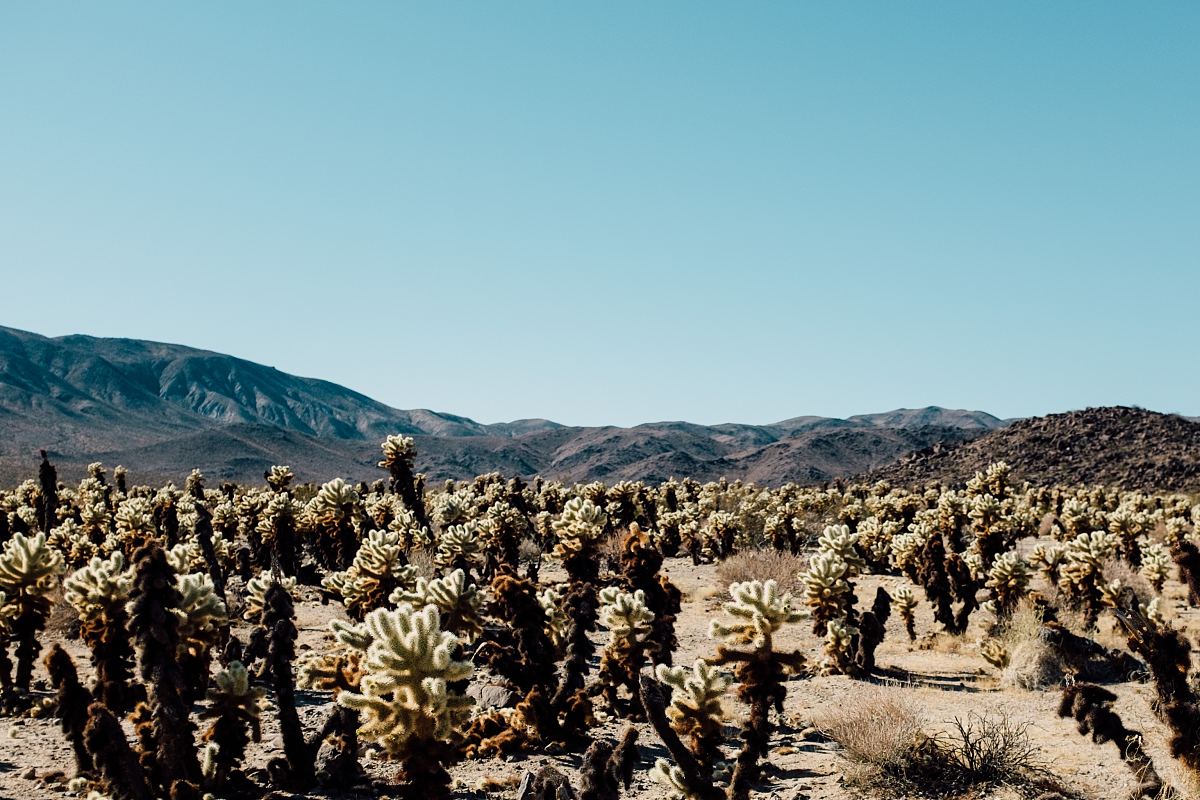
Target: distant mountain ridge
{"points": [[161, 409]]}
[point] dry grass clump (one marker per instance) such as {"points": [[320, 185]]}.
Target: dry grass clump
{"points": [[879, 729], [992, 748], [1032, 663], [422, 562], [763, 565], [885, 739]]}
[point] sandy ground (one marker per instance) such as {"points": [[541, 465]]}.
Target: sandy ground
{"points": [[947, 681]]}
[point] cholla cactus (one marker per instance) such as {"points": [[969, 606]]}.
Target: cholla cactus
{"points": [[993, 481], [837, 540], [70, 539], [458, 548], [453, 508], [558, 624], [398, 455], [279, 477], [98, 593], [458, 602], [995, 653], [695, 714], [276, 531], [1007, 580], [135, 523], [29, 572], [1082, 575], [235, 708], [376, 572], [407, 704], [579, 529], [839, 647], [905, 603], [96, 589], [875, 539], [722, 532], [625, 615], [201, 615], [256, 593], [1048, 559], [1156, 564], [629, 622], [826, 591], [186, 557], [758, 610], [907, 548], [331, 671], [333, 511], [675, 780], [396, 450]]}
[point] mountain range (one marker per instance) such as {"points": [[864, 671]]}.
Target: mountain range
{"points": [[162, 409]]}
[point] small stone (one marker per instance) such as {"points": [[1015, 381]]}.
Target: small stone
{"points": [[491, 695]]}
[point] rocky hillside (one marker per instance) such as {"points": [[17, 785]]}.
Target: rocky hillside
{"points": [[161, 409], [1117, 446]]}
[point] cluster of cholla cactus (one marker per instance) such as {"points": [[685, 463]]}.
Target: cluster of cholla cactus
{"points": [[187, 601], [406, 697], [758, 610], [378, 569], [629, 623], [1081, 576], [29, 572]]}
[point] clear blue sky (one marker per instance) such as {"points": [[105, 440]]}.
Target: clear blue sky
{"points": [[624, 211]]}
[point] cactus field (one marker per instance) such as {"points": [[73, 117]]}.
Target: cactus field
{"points": [[987, 638]]}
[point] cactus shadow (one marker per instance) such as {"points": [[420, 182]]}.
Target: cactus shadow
{"points": [[955, 682]]}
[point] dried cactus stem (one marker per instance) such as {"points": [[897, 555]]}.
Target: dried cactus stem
{"points": [[697, 776], [71, 704], [279, 619], [1091, 708], [112, 756], [155, 627]]}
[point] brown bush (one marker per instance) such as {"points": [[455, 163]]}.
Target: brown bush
{"points": [[762, 565], [883, 737], [880, 729]]}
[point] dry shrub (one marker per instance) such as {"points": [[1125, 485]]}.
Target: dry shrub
{"points": [[992, 748], [1033, 664], [529, 551], [422, 561], [1048, 526], [878, 728], [762, 565], [63, 622], [610, 549], [1116, 569], [882, 735]]}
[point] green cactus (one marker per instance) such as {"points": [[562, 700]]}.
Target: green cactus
{"points": [[628, 621], [459, 602], [839, 647], [378, 570], [1007, 580], [29, 572], [826, 591], [235, 708], [905, 603], [405, 699], [458, 548]]}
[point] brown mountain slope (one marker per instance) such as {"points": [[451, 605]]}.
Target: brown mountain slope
{"points": [[162, 409], [1117, 446]]}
